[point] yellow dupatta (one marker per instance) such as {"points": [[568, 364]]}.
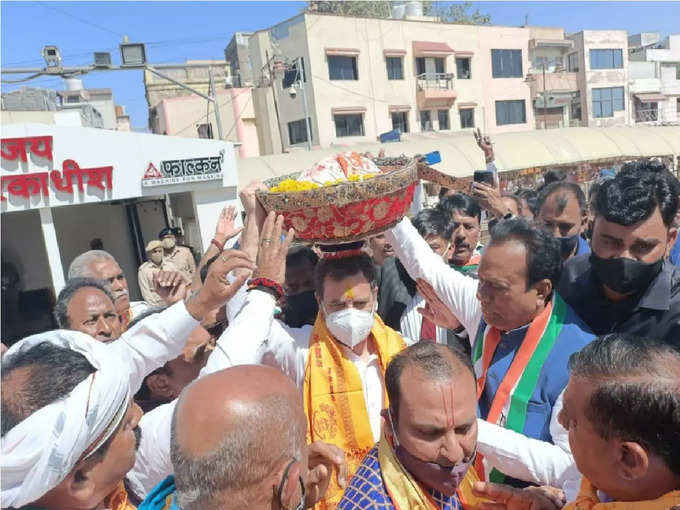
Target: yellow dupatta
{"points": [[334, 397], [407, 494], [587, 500]]}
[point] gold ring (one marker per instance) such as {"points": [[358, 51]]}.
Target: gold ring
{"points": [[266, 241], [225, 259]]}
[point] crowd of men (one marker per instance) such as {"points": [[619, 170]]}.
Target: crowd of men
{"points": [[417, 370]]}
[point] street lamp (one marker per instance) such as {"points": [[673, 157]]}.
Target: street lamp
{"points": [[132, 54], [102, 60]]}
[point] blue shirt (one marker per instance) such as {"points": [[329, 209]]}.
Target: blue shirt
{"points": [[552, 378], [366, 489], [675, 253]]}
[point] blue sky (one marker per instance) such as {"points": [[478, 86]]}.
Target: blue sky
{"points": [[177, 31]]}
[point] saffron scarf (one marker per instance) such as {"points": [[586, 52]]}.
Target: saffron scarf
{"points": [[334, 397], [407, 494], [587, 500], [509, 406], [118, 499]]}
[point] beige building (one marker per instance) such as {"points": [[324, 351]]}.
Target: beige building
{"points": [[414, 74], [599, 59], [175, 111], [654, 74]]}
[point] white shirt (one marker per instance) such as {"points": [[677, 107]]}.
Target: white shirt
{"points": [[512, 453], [412, 320], [253, 336]]}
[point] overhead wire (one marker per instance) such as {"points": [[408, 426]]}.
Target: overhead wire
{"points": [[77, 18]]}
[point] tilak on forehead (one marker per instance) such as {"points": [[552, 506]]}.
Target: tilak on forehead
{"points": [[349, 294], [447, 401]]}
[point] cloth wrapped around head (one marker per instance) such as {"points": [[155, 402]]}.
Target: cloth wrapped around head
{"points": [[40, 451]]}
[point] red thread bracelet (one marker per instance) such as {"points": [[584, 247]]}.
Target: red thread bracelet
{"points": [[219, 245], [266, 282]]}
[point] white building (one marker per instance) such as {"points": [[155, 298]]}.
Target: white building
{"points": [[654, 74], [63, 187]]}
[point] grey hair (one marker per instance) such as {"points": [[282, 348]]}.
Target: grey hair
{"points": [[80, 267], [245, 456], [67, 293]]}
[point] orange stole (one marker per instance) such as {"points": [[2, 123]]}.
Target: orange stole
{"points": [[334, 397], [587, 500], [118, 499]]}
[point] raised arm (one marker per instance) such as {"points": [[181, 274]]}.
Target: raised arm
{"points": [[457, 291], [226, 229], [243, 342], [161, 337]]}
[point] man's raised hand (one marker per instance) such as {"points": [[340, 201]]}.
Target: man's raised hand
{"points": [[217, 290], [271, 257]]}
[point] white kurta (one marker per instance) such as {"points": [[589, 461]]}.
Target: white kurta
{"points": [[253, 336]]}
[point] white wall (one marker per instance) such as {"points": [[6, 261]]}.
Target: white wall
{"points": [[23, 247]]}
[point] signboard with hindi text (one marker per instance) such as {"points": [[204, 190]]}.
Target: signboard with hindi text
{"points": [[52, 166]]}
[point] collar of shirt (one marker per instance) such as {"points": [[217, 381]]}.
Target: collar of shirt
{"points": [[657, 296]]}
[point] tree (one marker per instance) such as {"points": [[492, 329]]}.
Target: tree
{"points": [[446, 11], [456, 13]]}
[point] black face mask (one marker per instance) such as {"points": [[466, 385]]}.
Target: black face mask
{"points": [[625, 276], [300, 309], [568, 245]]}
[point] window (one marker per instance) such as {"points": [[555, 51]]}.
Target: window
{"points": [[467, 117], [425, 121], [510, 112], [400, 121], [443, 117], [205, 131], [506, 63], [297, 131], [463, 68], [572, 63], [677, 71], [575, 113], [342, 68], [677, 106], [349, 125], [606, 59], [395, 69], [421, 66], [73, 99], [291, 75], [606, 101]]}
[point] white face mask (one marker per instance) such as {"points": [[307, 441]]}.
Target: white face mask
{"points": [[350, 326]]}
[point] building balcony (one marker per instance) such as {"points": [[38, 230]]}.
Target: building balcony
{"points": [[435, 90], [646, 115], [554, 82]]}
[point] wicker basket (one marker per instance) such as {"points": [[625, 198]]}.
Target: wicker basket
{"points": [[348, 211]]}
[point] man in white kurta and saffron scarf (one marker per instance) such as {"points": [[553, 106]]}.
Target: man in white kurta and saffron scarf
{"points": [[69, 425]]}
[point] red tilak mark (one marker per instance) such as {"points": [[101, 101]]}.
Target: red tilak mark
{"points": [[448, 409]]}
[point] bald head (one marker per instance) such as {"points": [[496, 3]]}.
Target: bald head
{"points": [[434, 362], [232, 429]]}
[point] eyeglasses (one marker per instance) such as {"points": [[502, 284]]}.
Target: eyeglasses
{"points": [[303, 493]]}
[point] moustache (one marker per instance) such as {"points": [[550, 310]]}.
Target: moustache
{"points": [[120, 293]]}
